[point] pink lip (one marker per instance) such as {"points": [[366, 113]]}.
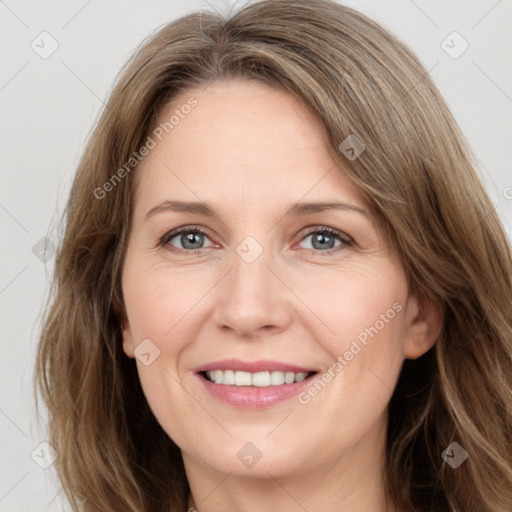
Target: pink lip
{"points": [[252, 397], [262, 365]]}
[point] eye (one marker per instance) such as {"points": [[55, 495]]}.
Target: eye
{"points": [[187, 239], [191, 239], [324, 239]]}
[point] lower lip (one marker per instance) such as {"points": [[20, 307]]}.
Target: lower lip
{"points": [[254, 397]]}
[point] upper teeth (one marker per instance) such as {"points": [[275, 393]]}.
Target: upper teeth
{"points": [[261, 379]]}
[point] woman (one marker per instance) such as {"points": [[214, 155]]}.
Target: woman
{"points": [[281, 284]]}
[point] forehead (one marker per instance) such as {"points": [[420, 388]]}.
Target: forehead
{"points": [[242, 117], [241, 139]]}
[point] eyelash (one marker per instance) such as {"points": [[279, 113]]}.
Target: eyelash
{"points": [[164, 241]]}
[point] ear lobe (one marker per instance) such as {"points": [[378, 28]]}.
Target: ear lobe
{"points": [[424, 327], [128, 347], [126, 333], [118, 308]]}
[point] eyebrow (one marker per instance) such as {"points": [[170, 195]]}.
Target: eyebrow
{"points": [[295, 210]]}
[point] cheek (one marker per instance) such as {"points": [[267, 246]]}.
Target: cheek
{"points": [[157, 304], [355, 389], [160, 300], [363, 314], [356, 303], [164, 305]]}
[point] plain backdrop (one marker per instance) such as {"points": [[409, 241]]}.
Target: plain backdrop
{"points": [[49, 106]]}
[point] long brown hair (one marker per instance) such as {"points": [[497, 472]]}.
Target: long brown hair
{"points": [[418, 174]]}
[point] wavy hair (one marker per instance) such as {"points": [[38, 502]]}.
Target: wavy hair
{"points": [[417, 172]]}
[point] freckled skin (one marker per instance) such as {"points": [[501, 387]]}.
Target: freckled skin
{"points": [[251, 151]]}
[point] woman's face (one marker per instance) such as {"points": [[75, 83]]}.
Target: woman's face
{"points": [[263, 294]]}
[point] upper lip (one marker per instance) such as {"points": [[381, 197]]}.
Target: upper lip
{"points": [[262, 365]]}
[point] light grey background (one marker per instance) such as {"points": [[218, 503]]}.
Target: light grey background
{"points": [[49, 106]]}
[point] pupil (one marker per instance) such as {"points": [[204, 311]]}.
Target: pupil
{"points": [[323, 241], [191, 238]]}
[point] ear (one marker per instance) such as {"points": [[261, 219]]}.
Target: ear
{"points": [[120, 311], [424, 322]]}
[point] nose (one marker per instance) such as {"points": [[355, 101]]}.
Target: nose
{"points": [[254, 300]]}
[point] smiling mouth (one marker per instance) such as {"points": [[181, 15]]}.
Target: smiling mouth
{"points": [[257, 379]]}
